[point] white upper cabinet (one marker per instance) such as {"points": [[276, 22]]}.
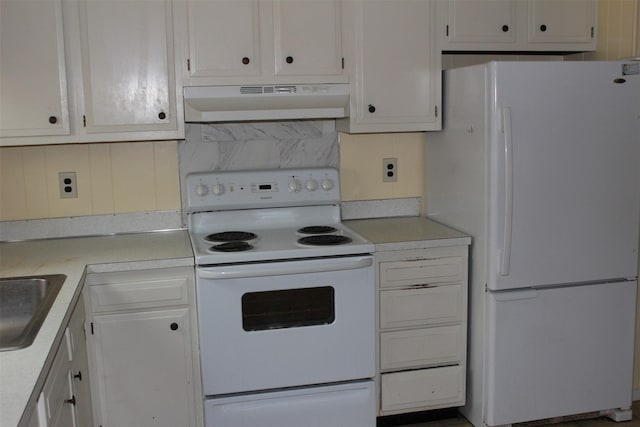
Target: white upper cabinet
{"points": [[109, 75], [307, 38], [394, 67], [517, 25], [224, 38], [127, 62], [260, 41], [33, 80], [561, 21], [490, 21]]}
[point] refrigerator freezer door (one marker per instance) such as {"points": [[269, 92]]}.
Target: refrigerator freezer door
{"points": [[559, 351], [565, 189]]}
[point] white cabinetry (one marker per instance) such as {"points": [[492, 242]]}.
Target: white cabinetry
{"points": [[260, 41], [127, 63], [394, 66], [512, 25], [110, 75], [77, 343], [33, 80], [423, 328], [65, 399], [142, 347]]}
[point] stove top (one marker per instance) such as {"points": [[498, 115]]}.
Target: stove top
{"points": [[253, 216]]}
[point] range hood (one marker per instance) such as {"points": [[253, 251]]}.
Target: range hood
{"points": [[205, 104]]}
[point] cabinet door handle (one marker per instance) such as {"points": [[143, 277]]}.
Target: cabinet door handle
{"points": [[245, 60], [174, 326], [78, 376], [543, 28], [71, 401], [505, 28], [53, 120], [372, 109], [289, 59], [162, 115]]}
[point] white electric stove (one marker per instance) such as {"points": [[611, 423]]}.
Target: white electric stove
{"points": [[285, 298]]}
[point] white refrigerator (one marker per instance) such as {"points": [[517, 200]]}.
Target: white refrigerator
{"points": [[540, 163]]}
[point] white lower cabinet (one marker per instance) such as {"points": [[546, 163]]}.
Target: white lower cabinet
{"points": [[142, 348], [422, 328], [422, 389], [65, 399], [57, 399]]}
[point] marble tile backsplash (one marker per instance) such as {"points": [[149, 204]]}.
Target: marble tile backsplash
{"points": [[258, 145]]}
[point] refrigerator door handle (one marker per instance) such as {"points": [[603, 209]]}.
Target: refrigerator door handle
{"points": [[505, 258]]}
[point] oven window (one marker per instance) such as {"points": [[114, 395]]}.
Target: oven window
{"points": [[288, 308]]}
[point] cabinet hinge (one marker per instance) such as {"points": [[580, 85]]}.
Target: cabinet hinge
{"points": [[91, 328], [188, 65], [592, 32], [84, 121], [343, 63], [447, 30], [436, 111]]}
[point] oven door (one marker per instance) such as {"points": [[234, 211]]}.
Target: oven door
{"points": [[282, 324]]}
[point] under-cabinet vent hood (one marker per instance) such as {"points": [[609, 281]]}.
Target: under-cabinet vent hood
{"points": [[265, 102]]}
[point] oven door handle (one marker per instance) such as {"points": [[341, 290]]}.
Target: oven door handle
{"points": [[278, 269]]}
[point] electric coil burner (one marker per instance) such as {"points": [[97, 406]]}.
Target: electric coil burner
{"points": [[324, 240], [232, 247], [231, 236], [286, 305], [317, 229]]}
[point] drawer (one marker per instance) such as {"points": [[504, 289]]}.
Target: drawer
{"points": [[422, 347], [421, 272], [137, 295], [422, 389], [421, 306]]}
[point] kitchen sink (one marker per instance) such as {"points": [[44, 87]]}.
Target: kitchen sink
{"points": [[24, 304]]}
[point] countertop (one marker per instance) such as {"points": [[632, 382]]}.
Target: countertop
{"points": [[22, 372], [399, 233]]}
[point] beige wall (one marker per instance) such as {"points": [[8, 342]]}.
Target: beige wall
{"points": [[361, 165], [112, 178]]}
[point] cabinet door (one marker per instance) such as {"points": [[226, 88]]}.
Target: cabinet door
{"points": [[128, 74], [397, 75], [76, 339], [144, 368], [561, 21], [482, 21], [56, 409], [224, 38], [33, 82], [307, 37]]}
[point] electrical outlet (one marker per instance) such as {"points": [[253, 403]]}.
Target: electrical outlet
{"points": [[68, 185], [390, 170]]}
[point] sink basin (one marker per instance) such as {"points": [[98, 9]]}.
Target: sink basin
{"points": [[24, 304]]}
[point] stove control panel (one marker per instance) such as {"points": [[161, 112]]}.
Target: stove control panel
{"points": [[262, 189]]}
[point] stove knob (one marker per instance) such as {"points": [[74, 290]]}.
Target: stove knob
{"points": [[201, 190], [217, 189], [311, 184], [326, 184], [294, 185]]}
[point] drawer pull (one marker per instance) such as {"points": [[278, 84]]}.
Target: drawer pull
{"points": [[422, 286], [174, 326]]}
